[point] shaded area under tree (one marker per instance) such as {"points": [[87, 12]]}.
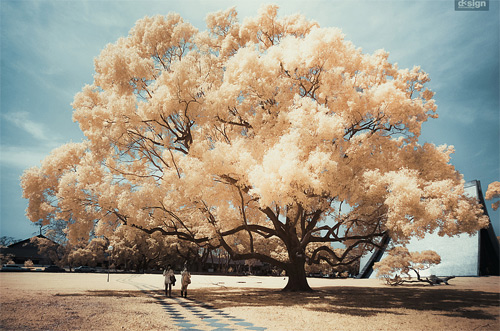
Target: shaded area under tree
{"points": [[366, 301]]}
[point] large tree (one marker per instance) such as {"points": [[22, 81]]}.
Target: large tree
{"points": [[272, 138]]}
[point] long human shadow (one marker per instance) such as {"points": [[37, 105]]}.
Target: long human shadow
{"points": [[367, 301]]}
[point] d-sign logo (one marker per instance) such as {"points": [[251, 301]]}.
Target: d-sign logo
{"points": [[477, 5]]}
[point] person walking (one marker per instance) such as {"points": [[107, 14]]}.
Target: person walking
{"points": [[185, 281], [169, 280]]}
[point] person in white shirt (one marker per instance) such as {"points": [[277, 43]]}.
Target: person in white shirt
{"points": [[169, 280]]}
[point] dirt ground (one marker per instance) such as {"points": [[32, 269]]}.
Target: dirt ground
{"points": [[39, 301]]}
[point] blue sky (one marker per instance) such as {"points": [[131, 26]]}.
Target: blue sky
{"points": [[48, 47]]}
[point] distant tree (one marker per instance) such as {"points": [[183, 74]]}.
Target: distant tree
{"points": [[5, 258], [321, 267], [54, 244], [6, 241], [326, 269], [47, 248], [492, 193], [272, 138], [29, 263], [251, 264], [137, 250], [400, 262], [90, 254]]}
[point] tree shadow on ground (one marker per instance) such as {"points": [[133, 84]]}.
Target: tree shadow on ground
{"points": [[364, 301]]}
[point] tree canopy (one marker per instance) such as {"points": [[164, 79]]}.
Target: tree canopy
{"points": [[272, 138], [493, 193]]}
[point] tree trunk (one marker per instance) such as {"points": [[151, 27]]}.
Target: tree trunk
{"points": [[297, 281]]}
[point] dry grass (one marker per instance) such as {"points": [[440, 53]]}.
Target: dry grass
{"points": [[111, 310], [359, 308], [88, 302]]}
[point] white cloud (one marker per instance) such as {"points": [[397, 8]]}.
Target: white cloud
{"points": [[36, 130], [22, 157]]}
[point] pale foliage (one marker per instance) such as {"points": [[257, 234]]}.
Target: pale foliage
{"points": [[267, 138], [5, 258], [399, 262], [91, 254], [28, 263], [493, 192], [58, 253], [137, 250]]}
